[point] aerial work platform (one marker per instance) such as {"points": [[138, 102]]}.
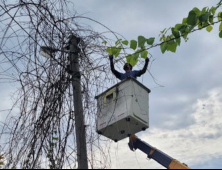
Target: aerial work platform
{"points": [[123, 110]]}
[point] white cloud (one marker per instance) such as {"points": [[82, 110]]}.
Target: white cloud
{"points": [[195, 145]]}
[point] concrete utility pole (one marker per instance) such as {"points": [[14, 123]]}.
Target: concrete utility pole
{"points": [[79, 117]]}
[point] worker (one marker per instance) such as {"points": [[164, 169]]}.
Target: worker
{"points": [[129, 72]]}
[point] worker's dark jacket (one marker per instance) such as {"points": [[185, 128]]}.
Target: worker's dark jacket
{"points": [[134, 74]]}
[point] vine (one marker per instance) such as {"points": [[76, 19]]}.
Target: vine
{"points": [[52, 146], [1, 161]]}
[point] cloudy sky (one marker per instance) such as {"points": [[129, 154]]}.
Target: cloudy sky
{"points": [[186, 97]]}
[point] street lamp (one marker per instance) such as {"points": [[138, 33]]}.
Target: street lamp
{"points": [[48, 52]]}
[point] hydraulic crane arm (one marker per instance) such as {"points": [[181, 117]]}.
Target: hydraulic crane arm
{"points": [[160, 157]]}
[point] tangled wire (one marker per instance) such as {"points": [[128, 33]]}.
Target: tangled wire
{"points": [[42, 122]]}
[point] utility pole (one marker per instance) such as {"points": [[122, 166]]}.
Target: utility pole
{"points": [[78, 106]]}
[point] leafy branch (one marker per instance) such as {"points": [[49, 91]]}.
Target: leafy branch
{"points": [[170, 38]]}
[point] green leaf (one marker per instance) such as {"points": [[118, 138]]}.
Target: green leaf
{"points": [[163, 47], [220, 28], [163, 31], [209, 28], [150, 41], [175, 33], [213, 10], [204, 10], [144, 54], [163, 38], [109, 50], [184, 21], [133, 44], [116, 51], [220, 34], [118, 42], [185, 36], [125, 42], [191, 28], [104, 42], [182, 28], [128, 58], [200, 25], [211, 19], [55, 138], [50, 151], [204, 17], [178, 40], [141, 41], [169, 39], [172, 47], [113, 50], [132, 59], [192, 18], [196, 10], [177, 26], [219, 16]]}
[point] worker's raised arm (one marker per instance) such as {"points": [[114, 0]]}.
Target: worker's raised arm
{"points": [[116, 73], [144, 68]]}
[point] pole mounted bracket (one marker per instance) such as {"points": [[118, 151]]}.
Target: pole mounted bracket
{"points": [[69, 70], [76, 75]]}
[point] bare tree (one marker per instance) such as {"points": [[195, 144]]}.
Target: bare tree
{"points": [[41, 121]]}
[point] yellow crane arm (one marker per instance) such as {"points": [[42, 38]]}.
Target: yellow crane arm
{"points": [[153, 153]]}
